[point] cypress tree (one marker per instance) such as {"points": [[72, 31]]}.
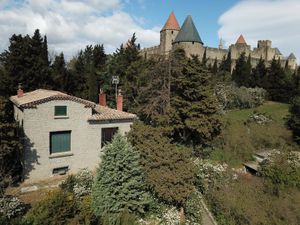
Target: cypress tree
{"points": [[194, 112], [118, 184], [214, 69], [242, 72], [294, 120], [204, 58], [258, 78]]}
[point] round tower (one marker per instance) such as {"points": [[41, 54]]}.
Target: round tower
{"points": [[168, 34], [188, 39]]}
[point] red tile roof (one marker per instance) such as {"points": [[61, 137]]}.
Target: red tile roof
{"points": [[241, 40], [40, 96], [106, 113], [171, 23]]}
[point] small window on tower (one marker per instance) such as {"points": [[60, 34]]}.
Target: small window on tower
{"points": [[172, 32]]}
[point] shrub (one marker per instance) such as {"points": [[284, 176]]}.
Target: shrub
{"points": [[209, 174], [193, 209], [80, 184], [10, 207], [232, 97], [294, 120], [57, 209], [282, 169]]}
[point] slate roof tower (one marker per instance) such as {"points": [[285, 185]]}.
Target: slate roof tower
{"points": [[188, 32], [168, 34]]}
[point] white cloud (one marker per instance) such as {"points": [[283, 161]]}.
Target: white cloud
{"points": [[70, 25], [276, 20]]}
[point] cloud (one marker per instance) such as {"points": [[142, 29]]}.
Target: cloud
{"points": [[276, 20], [70, 25]]}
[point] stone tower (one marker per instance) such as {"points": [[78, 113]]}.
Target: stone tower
{"points": [[168, 34], [188, 39]]}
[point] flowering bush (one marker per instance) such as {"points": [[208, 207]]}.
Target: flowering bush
{"points": [[10, 206], [209, 174], [232, 97], [171, 217], [193, 209], [80, 184]]}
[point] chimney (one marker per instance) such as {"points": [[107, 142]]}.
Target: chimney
{"points": [[20, 91], [119, 101], [102, 98]]}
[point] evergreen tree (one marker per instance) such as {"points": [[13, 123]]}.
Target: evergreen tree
{"points": [[194, 113], [276, 82], [242, 72], [214, 69], [259, 75], [226, 63], [10, 145], [294, 120], [169, 171], [204, 58], [118, 184]]}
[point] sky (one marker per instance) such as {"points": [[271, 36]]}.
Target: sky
{"points": [[70, 25]]}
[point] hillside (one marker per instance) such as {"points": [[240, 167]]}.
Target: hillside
{"points": [[241, 136]]}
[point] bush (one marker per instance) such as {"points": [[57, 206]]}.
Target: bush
{"points": [[193, 209], [10, 207], [282, 169], [232, 97], [294, 120], [80, 184], [209, 175], [57, 209]]}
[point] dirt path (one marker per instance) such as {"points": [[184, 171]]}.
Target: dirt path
{"points": [[207, 218]]}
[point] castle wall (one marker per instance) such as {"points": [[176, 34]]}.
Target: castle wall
{"points": [[191, 48], [151, 52]]}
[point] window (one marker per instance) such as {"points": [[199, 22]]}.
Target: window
{"points": [[60, 141], [60, 170], [107, 135], [60, 110]]}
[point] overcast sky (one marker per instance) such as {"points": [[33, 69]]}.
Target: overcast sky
{"points": [[70, 25]]}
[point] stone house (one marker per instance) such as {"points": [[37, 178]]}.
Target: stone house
{"points": [[186, 37], [63, 133]]}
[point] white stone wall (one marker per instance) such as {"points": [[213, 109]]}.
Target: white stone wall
{"points": [[85, 139]]}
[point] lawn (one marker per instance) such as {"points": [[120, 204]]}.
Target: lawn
{"points": [[241, 138]]}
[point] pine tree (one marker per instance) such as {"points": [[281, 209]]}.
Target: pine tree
{"points": [[118, 184], [226, 63], [204, 59], [214, 69], [194, 113], [169, 171]]}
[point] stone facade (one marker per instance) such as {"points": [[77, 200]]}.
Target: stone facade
{"points": [[39, 121], [167, 44]]}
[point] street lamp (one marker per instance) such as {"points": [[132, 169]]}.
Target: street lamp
{"points": [[115, 81]]}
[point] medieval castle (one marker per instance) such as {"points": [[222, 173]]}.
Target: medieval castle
{"points": [[187, 37]]}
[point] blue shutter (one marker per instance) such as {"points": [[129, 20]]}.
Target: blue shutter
{"points": [[60, 141]]}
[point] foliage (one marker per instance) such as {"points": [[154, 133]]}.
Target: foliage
{"points": [[11, 206], [247, 201], [293, 122], [119, 181], [193, 209], [168, 168], [242, 72], [193, 114], [80, 184], [209, 175], [282, 168], [233, 97], [57, 209], [10, 146]]}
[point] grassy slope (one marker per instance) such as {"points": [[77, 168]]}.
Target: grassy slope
{"points": [[239, 139]]}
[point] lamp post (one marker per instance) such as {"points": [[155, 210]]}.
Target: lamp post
{"points": [[115, 80]]}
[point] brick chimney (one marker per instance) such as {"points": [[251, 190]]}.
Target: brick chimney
{"points": [[102, 98], [119, 101], [20, 91]]}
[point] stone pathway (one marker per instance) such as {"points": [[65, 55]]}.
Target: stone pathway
{"points": [[207, 217]]}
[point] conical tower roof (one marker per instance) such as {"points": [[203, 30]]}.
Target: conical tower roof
{"points": [[171, 23], [241, 40], [292, 56], [188, 32]]}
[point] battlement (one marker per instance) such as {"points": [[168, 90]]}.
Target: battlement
{"points": [[264, 44]]}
